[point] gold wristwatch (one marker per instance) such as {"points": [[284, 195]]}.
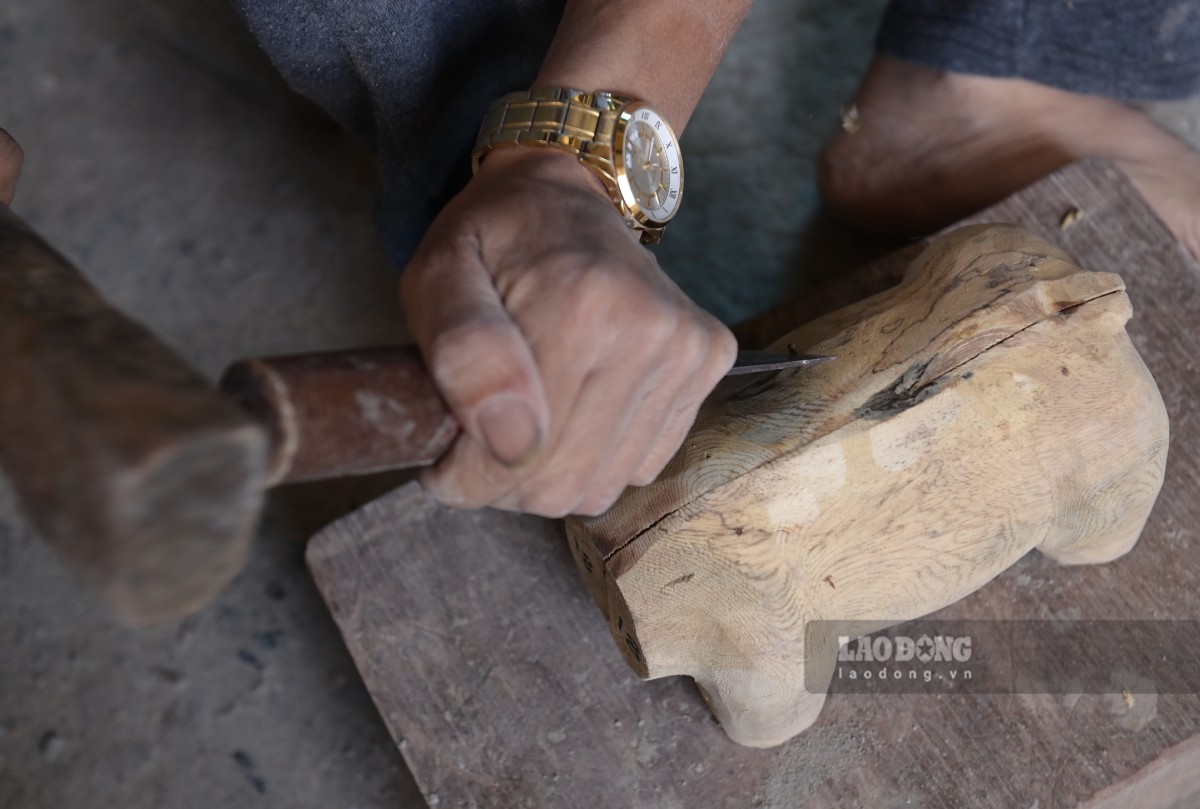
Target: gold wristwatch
{"points": [[624, 141]]}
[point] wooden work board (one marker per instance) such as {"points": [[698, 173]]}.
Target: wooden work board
{"points": [[499, 681]]}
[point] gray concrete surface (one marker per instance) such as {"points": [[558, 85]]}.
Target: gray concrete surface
{"points": [[210, 206], [166, 160]]}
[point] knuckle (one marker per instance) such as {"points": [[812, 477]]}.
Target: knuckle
{"points": [[603, 278], [656, 461], [659, 326], [596, 504], [590, 293], [555, 493], [455, 495], [684, 418], [621, 291], [716, 355], [695, 341], [423, 272], [649, 471], [645, 355], [472, 344], [585, 316], [597, 290], [458, 499], [725, 345], [645, 330], [467, 336], [592, 508], [547, 505]]}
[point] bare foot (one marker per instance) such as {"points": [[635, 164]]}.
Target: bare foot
{"points": [[930, 147]]}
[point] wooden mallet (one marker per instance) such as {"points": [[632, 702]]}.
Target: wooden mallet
{"points": [[147, 480]]}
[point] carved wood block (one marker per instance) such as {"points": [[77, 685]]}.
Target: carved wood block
{"points": [[989, 404]]}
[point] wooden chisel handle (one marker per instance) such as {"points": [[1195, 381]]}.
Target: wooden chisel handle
{"points": [[340, 413]]}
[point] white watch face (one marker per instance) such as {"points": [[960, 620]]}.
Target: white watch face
{"points": [[653, 171]]}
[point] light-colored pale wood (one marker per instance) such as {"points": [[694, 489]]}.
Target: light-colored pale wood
{"points": [[989, 404], [502, 686]]}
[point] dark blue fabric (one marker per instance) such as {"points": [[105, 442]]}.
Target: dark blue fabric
{"points": [[411, 79], [1126, 49]]}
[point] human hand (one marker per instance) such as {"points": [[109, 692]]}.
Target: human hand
{"points": [[573, 363], [11, 158]]}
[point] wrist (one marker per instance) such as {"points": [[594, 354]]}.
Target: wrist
{"points": [[544, 163], [628, 149]]}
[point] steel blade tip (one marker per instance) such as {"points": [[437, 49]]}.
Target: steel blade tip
{"points": [[753, 362]]}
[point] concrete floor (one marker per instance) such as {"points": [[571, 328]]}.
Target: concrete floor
{"points": [[210, 206], [166, 160]]}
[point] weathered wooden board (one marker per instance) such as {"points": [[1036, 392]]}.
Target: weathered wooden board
{"points": [[502, 687]]}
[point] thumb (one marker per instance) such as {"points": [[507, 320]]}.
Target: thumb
{"points": [[479, 359]]}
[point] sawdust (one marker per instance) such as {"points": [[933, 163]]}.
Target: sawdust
{"points": [[813, 757]]}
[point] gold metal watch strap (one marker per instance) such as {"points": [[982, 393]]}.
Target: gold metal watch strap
{"points": [[572, 120]]}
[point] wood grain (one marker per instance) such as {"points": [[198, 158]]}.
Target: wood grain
{"points": [[421, 592], [989, 404]]}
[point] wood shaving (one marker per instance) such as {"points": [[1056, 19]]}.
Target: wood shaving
{"points": [[1070, 218]]}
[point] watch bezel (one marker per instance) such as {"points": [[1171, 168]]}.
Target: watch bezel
{"points": [[635, 211]]}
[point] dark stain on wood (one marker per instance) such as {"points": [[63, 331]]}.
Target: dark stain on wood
{"points": [[902, 394]]}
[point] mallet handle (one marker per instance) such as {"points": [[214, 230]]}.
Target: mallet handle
{"points": [[340, 413]]}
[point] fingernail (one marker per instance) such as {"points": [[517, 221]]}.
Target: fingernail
{"points": [[510, 429]]}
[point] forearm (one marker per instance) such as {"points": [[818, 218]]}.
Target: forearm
{"points": [[664, 52]]}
